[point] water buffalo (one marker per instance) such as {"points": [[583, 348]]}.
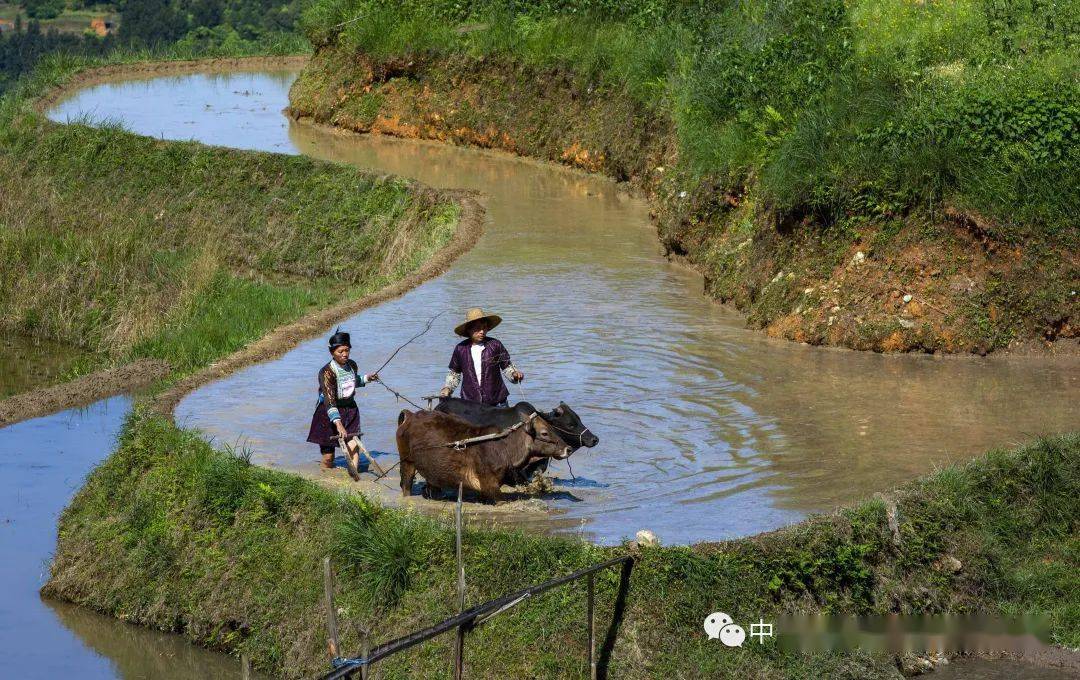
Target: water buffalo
{"points": [[423, 436], [562, 419]]}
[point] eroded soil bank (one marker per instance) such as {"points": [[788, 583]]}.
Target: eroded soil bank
{"points": [[939, 282]]}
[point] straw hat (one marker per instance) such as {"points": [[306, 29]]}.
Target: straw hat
{"points": [[477, 314]]}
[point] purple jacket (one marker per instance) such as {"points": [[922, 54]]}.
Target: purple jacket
{"points": [[494, 359]]}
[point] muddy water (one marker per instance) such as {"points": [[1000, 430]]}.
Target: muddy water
{"points": [[26, 363], [707, 430], [42, 463]]}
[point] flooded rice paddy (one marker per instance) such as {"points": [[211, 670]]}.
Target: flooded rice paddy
{"points": [[708, 430], [27, 363], [43, 462]]}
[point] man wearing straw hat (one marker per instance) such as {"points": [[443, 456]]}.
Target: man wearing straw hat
{"points": [[479, 362]]}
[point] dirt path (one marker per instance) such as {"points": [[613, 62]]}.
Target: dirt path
{"points": [[81, 391]]}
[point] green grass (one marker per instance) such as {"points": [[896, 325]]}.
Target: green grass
{"points": [[973, 102], [952, 126], [132, 247], [172, 533]]}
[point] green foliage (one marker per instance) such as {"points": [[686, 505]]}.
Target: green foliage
{"points": [[151, 22], [169, 530], [387, 554], [972, 103], [138, 248], [43, 9], [198, 330], [195, 28], [826, 571]]}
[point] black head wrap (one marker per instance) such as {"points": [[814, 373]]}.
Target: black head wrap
{"points": [[338, 339]]}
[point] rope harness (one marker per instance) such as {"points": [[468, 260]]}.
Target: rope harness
{"points": [[461, 444], [580, 435], [401, 396]]}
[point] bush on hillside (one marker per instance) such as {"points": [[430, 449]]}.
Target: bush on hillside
{"points": [[829, 106]]}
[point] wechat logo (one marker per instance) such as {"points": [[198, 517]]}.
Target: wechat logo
{"points": [[719, 626]]}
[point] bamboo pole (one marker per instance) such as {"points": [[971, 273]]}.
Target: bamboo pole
{"points": [[245, 667], [350, 460], [331, 611], [478, 614]]}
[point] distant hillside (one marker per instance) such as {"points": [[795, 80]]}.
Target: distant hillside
{"points": [[193, 28]]}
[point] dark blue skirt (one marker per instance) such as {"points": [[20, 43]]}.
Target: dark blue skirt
{"points": [[323, 432]]}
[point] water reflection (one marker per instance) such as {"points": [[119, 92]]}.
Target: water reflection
{"points": [[27, 363], [43, 462], [708, 430], [139, 653]]}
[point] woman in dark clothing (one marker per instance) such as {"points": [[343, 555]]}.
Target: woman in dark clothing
{"points": [[479, 362], [336, 414]]}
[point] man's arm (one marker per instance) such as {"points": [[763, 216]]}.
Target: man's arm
{"points": [[512, 373], [506, 365], [452, 382]]}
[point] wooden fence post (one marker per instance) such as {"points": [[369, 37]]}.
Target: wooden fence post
{"points": [[331, 611], [366, 647], [459, 643], [592, 627], [245, 667]]}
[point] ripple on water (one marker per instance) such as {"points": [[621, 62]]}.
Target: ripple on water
{"points": [[707, 430]]}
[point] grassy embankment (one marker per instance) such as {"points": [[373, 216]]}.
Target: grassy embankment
{"points": [[135, 248], [174, 534], [818, 161]]}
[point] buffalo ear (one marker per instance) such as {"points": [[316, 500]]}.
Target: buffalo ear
{"points": [[560, 410]]}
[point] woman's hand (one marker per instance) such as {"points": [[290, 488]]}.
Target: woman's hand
{"points": [[341, 429], [444, 392], [374, 377], [518, 376]]}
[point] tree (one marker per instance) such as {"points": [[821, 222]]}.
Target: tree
{"points": [[206, 13], [151, 22], [43, 9]]}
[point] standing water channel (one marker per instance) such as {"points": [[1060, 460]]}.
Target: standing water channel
{"points": [[708, 430], [43, 462]]}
